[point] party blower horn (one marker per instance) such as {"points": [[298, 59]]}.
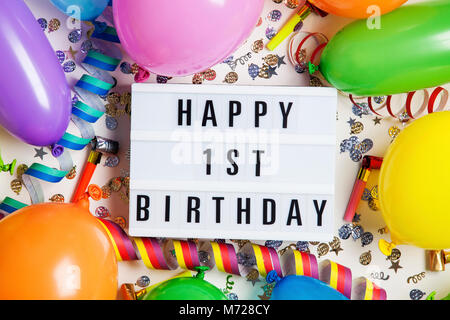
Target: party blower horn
{"points": [[53, 251], [413, 185]]}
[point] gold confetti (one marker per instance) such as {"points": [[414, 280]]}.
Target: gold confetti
{"points": [[57, 198], [356, 128], [16, 186], [121, 221], [258, 46], [197, 78], [292, 4], [271, 60], [106, 192], [374, 192], [231, 77], [115, 184], [125, 99], [365, 258], [373, 204], [322, 249], [21, 170], [72, 173], [111, 110], [315, 82], [113, 98], [393, 131]]}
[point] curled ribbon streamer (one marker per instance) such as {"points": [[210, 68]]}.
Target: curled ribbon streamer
{"points": [[295, 55], [169, 254], [428, 104], [98, 63]]}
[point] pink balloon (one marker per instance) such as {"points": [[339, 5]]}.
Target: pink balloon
{"points": [[182, 37]]}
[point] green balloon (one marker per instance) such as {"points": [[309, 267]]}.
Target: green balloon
{"points": [[411, 51], [194, 288]]}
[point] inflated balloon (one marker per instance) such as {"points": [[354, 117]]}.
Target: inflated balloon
{"points": [[295, 287], [35, 102], [56, 251], [85, 10], [409, 52], [414, 182], [177, 38], [186, 288], [357, 8]]}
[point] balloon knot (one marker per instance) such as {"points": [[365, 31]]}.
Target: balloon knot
{"points": [[312, 67], [272, 276], [201, 271]]}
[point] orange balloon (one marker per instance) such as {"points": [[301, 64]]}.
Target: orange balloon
{"points": [[53, 251], [357, 8]]}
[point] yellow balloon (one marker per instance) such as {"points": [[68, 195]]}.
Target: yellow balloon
{"points": [[414, 184]]}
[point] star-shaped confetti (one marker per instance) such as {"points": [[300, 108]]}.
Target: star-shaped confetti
{"points": [[72, 52], [395, 265], [281, 61], [376, 121], [253, 280], [271, 71], [337, 249], [351, 121], [40, 153]]}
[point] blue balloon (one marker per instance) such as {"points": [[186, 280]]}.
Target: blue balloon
{"points": [[304, 288], [87, 10]]}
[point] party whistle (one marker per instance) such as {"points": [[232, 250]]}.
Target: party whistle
{"points": [[288, 28], [369, 163], [93, 159], [437, 259], [7, 167]]}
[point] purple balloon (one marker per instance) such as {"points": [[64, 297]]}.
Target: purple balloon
{"points": [[35, 102]]}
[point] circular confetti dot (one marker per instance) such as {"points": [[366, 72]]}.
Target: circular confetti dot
{"points": [[111, 110], [357, 127], [121, 221], [112, 161], [253, 71], [125, 67], [314, 243], [258, 46], [355, 155], [102, 212], [357, 232], [231, 77], [43, 23], [366, 145], [366, 238], [75, 35], [106, 192], [404, 117], [274, 15], [143, 281], [21, 170], [115, 184], [292, 4], [232, 296], [277, 1], [61, 56], [271, 60], [209, 75], [273, 243], [197, 78], [323, 249], [72, 173], [111, 123], [395, 254], [365, 258], [302, 246], [315, 82], [125, 99], [57, 198], [270, 32], [345, 231], [416, 294], [54, 25], [357, 111], [162, 79], [393, 131], [69, 66], [259, 22], [354, 140], [379, 100], [16, 186]]}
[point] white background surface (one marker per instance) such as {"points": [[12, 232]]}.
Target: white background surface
{"points": [[412, 259]]}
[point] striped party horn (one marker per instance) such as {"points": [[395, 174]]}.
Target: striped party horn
{"points": [[151, 253], [337, 276], [300, 263], [122, 244]]}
